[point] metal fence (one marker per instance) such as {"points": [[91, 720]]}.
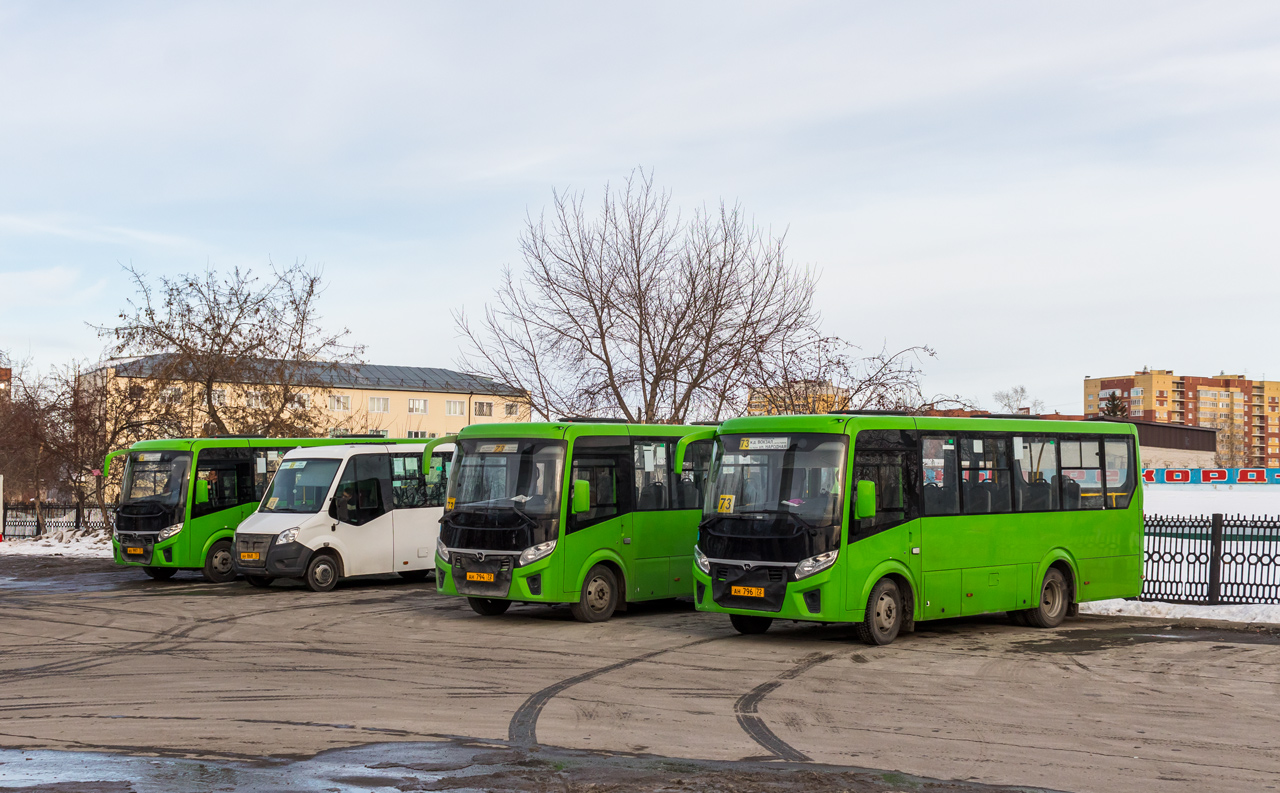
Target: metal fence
{"points": [[19, 520], [1212, 559]]}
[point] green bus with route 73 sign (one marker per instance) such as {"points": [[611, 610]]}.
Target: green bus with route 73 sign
{"points": [[884, 519], [169, 520], [580, 511]]}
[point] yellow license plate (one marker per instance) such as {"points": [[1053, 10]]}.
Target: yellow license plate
{"points": [[747, 591], [249, 557], [137, 551], [480, 577]]}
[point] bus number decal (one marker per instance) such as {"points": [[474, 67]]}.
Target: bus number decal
{"points": [[725, 505], [764, 444], [449, 502]]}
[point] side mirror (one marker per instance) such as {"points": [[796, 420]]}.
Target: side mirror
{"points": [[865, 505], [202, 491], [581, 496]]}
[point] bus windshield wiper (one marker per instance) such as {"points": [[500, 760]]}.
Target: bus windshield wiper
{"points": [[799, 518]]}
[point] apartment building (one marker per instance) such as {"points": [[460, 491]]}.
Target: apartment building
{"points": [[1246, 413]]}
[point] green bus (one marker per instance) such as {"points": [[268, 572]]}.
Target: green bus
{"points": [[580, 511], [168, 520], [884, 519]]}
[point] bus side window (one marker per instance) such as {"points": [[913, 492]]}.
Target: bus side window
{"points": [[693, 480], [605, 463], [436, 479], [408, 486], [360, 496], [940, 487], [1120, 473], [229, 477], [888, 469], [1081, 474], [1035, 474], [984, 474], [652, 464], [265, 464]]}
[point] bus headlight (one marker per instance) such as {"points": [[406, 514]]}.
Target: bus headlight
{"points": [[287, 536], [700, 558], [815, 564], [536, 552], [442, 551], [168, 532]]}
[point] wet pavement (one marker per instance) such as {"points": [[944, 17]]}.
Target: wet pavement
{"points": [[110, 679]]}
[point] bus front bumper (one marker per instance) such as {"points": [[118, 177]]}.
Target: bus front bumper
{"points": [[261, 555], [817, 598], [141, 550], [533, 583]]}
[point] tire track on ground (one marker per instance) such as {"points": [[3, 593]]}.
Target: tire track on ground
{"points": [[747, 711]]}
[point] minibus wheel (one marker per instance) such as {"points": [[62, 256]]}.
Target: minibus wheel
{"points": [[260, 581], [883, 618], [749, 625], [322, 573], [217, 565], [1053, 602], [489, 607], [160, 573], [599, 596]]}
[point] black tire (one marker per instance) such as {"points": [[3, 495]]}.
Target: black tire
{"points": [[1018, 617], [1054, 599], [415, 575], [160, 573], [489, 607], [217, 565], [260, 581], [323, 573], [599, 596], [883, 619], [748, 625]]}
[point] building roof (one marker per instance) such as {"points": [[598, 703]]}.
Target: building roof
{"points": [[374, 377], [1164, 435]]}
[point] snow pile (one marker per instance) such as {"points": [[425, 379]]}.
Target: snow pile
{"points": [[1196, 500], [1132, 608], [68, 542]]}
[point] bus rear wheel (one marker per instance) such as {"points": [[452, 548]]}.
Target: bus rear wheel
{"points": [[883, 618], [217, 565], [489, 607], [599, 596], [748, 625], [1053, 602], [160, 573]]}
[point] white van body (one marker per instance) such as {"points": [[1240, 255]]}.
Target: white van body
{"points": [[388, 527]]}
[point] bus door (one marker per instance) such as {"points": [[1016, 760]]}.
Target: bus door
{"points": [[890, 459], [363, 505], [415, 525], [657, 535], [604, 462], [939, 503]]}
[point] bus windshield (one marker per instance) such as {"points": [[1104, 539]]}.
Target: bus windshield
{"points": [[155, 477], [520, 474], [300, 486], [786, 490]]}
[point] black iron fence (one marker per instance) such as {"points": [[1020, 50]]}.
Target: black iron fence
{"points": [[19, 520], [1212, 559]]}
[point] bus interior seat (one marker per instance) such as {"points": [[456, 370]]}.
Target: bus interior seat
{"points": [[689, 494], [1070, 493]]}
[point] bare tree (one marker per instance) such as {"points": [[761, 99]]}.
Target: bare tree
{"points": [[250, 356], [638, 313], [1017, 400], [27, 444]]}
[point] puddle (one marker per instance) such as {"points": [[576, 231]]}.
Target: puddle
{"points": [[1090, 640]]}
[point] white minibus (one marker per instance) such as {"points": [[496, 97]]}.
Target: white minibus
{"points": [[336, 512]]}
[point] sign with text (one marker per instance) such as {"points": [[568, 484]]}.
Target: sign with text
{"points": [[1211, 476]]}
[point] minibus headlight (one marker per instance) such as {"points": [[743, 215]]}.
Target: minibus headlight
{"points": [[287, 536], [168, 532], [442, 550], [815, 564], [536, 552], [704, 564]]}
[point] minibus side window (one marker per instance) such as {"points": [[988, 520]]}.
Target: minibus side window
{"points": [[691, 484], [1120, 473], [1081, 474], [940, 481], [604, 462], [652, 462], [361, 495], [408, 486], [228, 477]]}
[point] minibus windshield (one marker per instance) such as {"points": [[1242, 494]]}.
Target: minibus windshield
{"points": [[300, 486], [521, 475], [155, 477]]}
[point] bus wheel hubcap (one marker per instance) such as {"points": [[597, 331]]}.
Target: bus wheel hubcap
{"points": [[1052, 600], [222, 561], [324, 574], [886, 613], [598, 594]]}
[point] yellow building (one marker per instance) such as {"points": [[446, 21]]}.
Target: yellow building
{"points": [[1246, 413], [394, 401]]}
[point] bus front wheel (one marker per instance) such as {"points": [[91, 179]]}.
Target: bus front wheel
{"points": [[749, 625], [599, 596], [1053, 602], [217, 565], [883, 618], [159, 573], [322, 573], [489, 607]]}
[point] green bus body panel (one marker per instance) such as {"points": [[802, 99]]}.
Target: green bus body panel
{"points": [[652, 549], [191, 546], [967, 564]]}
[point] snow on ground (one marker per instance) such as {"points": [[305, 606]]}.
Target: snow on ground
{"points": [[1132, 608], [1196, 500], [64, 543]]}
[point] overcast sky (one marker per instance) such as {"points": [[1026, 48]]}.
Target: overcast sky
{"points": [[1040, 192]]}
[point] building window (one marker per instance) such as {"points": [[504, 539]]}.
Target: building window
{"points": [[339, 402], [255, 399], [484, 408], [379, 404], [512, 409], [171, 396], [417, 406], [302, 401], [219, 397], [1136, 392], [455, 407], [1091, 397], [416, 434], [379, 433]]}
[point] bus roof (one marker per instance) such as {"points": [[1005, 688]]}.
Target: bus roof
{"points": [[845, 423], [195, 444], [567, 429]]}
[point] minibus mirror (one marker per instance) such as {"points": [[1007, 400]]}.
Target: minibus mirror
{"points": [[865, 506], [202, 491], [581, 496]]}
